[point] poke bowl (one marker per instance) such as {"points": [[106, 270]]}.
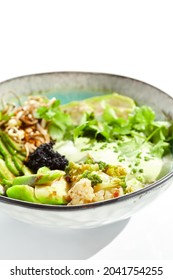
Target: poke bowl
{"points": [[82, 150]]}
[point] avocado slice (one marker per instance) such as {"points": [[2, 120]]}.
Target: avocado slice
{"points": [[25, 180], [11, 166], [16, 146], [10, 149], [3, 150], [48, 178], [22, 168], [26, 170], [39, 179], [6, 183], [4, 171], [56, 193], [22, 192], [43, 170], [20, 156], [19, 164], [7, 154], [121, 104]]}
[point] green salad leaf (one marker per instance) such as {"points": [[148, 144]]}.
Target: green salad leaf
{"points": [[139, 127], [142, 119], [59, 123]]}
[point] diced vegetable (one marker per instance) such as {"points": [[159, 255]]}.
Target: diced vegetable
{"points": [[56, 193]]}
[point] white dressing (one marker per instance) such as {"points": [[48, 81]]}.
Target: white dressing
{"points": [[147, 166]]}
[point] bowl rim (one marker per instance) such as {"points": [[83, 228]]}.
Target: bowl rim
{"points": [[120, 199], [51, 207], [70, 72]]}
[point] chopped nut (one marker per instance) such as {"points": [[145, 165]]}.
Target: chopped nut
{"points": [[25, 128]]}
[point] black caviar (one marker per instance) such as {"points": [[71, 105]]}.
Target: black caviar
{"points": [[44, 155]]}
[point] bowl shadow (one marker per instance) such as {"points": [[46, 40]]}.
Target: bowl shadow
{"points": [[24, 241]]}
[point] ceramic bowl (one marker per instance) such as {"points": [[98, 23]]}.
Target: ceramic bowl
{"points": [[68, 86]]}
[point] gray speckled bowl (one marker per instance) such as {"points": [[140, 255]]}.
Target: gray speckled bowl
{"points": [[69, 86]]}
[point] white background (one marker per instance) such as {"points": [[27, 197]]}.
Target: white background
{"points": [[126, 37]]}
